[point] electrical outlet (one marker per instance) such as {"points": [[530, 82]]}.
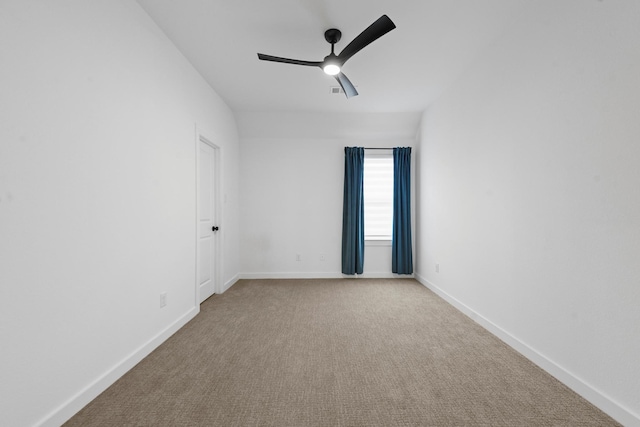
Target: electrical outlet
{"points": [[163, 299], [437, 268], [322, 257], [298, 257]]}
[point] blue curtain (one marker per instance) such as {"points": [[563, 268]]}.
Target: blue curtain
{"points": [[353, 211], [401, 256]]}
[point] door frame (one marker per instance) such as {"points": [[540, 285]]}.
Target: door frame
{"points": [[209, 138]]}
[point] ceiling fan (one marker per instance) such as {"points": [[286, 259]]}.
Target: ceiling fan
{"points": [[333, 63]]}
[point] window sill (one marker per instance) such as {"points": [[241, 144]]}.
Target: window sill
{"points": [[377, 242]]}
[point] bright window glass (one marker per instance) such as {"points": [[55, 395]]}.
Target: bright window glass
{"points": [[378, 194]]}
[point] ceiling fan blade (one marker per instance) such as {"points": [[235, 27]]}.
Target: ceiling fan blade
{"points": [[288, 61], [373, 32], [346, 85]]}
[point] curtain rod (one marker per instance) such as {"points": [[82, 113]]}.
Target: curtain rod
{"points": [[378, 148]]}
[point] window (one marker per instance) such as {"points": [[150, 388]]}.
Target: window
{"points": [[378, 194]]}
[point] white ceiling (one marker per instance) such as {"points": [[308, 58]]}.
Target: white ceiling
{"points": [[402, 72]]}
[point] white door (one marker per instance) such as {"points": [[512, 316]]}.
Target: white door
{"points": [[207, 226]]}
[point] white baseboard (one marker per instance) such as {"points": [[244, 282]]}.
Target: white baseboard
{"points": [[290, 275], [591, 394], [324, 275], [81, 399], [384, 276], [230, 283]]}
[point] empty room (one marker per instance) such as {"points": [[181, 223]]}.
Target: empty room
{"points": [[319, 213]]}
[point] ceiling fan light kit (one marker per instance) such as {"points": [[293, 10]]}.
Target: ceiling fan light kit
{"points": [[331, 67], [332, 63]]}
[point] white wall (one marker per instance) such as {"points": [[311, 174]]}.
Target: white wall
{"points": [[528, 190], [97, 198], [292, 189]]}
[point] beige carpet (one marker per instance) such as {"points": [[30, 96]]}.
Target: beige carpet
{"points": [[335, 353]]}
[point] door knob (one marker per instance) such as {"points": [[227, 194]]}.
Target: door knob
{"points": [[214, 228]]}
